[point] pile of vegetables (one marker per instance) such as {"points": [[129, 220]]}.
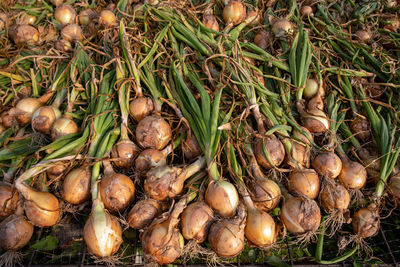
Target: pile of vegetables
{"points": [[203, 127]]}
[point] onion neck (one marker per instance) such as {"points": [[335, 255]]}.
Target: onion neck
{"points": [[108, 169], [59, 99], [195, 167]]}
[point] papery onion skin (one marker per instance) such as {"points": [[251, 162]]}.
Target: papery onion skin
{"points": [[63, 126], [148, 159], [72, 32], [304, 182], [282, 27], [140, 108], [107, 18], [25, 109], [327, 164], [196, 220], [261, 39], [24, 35], [191, 148], [273, 147], [315, 121], [153, 132], [43, 209], [394, 187], [211, 22], [56, 170], [222, 197], [65, 14], [63, 45], [260, 228], [361, 128], [334, 196], [126, 152], [102, 232], [353, 175], [44, 117], [301, 215], [76, 186], [265, 194], [234, 12], [366, 222], [86, 16], [117, 191], [301, 137], [8, 200], [15, 232], [143, 213]]}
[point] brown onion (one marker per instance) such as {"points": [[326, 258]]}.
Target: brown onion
{"points": [[141, 107], [26, 19], [153, 132], [274, 149], [150, 158], [234, 12], [316, 121], [56, 170], [222, 197], [44, 117], [316, 103], [3, 20], [301, 215], [304, 182], [8, 200], [334, 196], [190, 147], [65, 14], [261, 39], [361, 128], [306, 11], [353, 175], [107, 18], [76, 185], [364, 36], [394, 187], [125, 151], [260, 229], [8, 120], [282, 27], [226, 236], [63, 126], [24, 35], [299, 136], [102, 232], [15, 232], [366, 222], [143, 213], [86, 16], [299, 155], [327, 164], [25, 109], [196, 220], [211, 22], [63, 45], [72, 32], [253, 18]]}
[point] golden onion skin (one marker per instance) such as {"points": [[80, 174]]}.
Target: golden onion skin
{"points": [[117, 191], [196, 220], [76, 186], [72, 32], [56, 170], [149, 158], [25, 109], [126, 152], [353, 175], [107, 18], [274, 148], [366, 222], [304, 182], [15, 232], [65, 14], [63, 126], [315, 121], [153, 132], [260, 228], [143, 213], [211, 22], [222, 197], [8, 200], [334, 196], [394, 187], [190, 147], [234, 12], [43, 208], [43, 119], [327, 164], [265, 194], [140, 108]]}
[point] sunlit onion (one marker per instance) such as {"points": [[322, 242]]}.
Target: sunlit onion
{"points": [[327, 164], [210, 22], [65, 14], [153, 132], [265, 194], [24, 35], [260, 228], [63, 126], [76, 185], [334, 196], [72, 32], [282, 27], [306, 11], [143, 213], [274, 149], [353, 175], [44, 117], [234, 12], [222, 197], [141, 107], [150, 158], [196, 220], [107, 18], [125, 151], [25, 108], [304, 182]]}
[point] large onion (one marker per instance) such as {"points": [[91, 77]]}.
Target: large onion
{"points": [[327, 164], [265, 194], [196, 220], [353, 175], [44, 117], [143, 213], [222, 197], [125, 151], [15, 232], [153, 132], [234, 12], [8, 200], [304, 182], [141, 107], [274, 149], [76, 185], [334, 196], [366, 222]]}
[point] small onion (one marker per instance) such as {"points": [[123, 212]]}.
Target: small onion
{"points": [[196, 220], [150, 158], [65, 14], [311, 88], [72, 32], [282, 27], [297, 135], [211, 22], [63, 45], [273, 147], [222, 197], [44, 117], [190, 147], [3, 20], [107, 18], [86, 16], [8, 120], [327, 164], [140, 108], [253, 18], [63, 126], [316, 103], [102, 232], [234, 12], [125, 151], [56, 170], [364, 36], [76, 185], [24, 35], [143, 213], [304, 182], [306, 11], [8, 200], [153, 132], [366, 222], [261, 39], [15, 232], [361, 128], [260, 229], [394, 187], [301, 215], [27, 19], [226, 236], [265, 194], [353, 175], [25, 109], [334, 196]]}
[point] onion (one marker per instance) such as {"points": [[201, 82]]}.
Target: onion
{"points": [[274, 149], [117, 190], [282, 27], [102, 232], [107, 18], [24, 35], [364, 36], [366, 222], [234, 12], [86, 16], [334, 197], [140, 108], [167, 182], [72, 32], [190, 147], [27, 19], [3, 21], [143, 213], [153, 132], [299, 155], [8, 120], [25, 109], [226, 236], [65, 14], [394, 187], [301, 215], [125, 151], [316, 121], [8, 200], [327, 164], [210, 22], [44, 117], [361, 128], [260, 228], [253, 18], [63, 126], [57, 2], [56, 170], [76, 185], [353, 175], [315, 103], [304, 182], [15, 232], [150, 158], [261, 39], [161, 241], [222, 197], [196, 220], [63, 45], [297, 135], [307, 11]]}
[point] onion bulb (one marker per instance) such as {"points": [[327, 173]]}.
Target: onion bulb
{"points": [[117, 190], [353, 175], [306, 11], [234, 12], [161, 241], [196, 220], [56, 170], [304, 182], [65, 14], [327, 164], [125, 151], [261, 39], [107, 18], [26, 19], [63, 126], [25, 109], [15, 232], [274, 149], [143, 213], [301, 215], [57, 2], [366, 222], [190, 147], [334, 196], [150, 158], [44, 117], [210, 22], [76, 186], [226, 236], [8, 120], [299, 155], [299, 136], [3, 20], [153, 132], [222, 197], [315, 103], [63, 45], [282, 27], [260, 229], [102, 232], [253, 17], [72, 32], [315, 121], [24, 35], [8, 200], [141, 107], [311, 88], [394, 187], [265, 194], [86, 16], [361, 128], [364, 36]]}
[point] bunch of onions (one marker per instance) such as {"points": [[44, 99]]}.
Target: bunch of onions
{"points": [[366, 222], [327, 164], [166, 182], [226, 236], [143, 213], [234, 13], [117, 190], [8, 200], [196, 220], [162, 241], [65, 14], [24, 35], [304, 182], [76, 186]]}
